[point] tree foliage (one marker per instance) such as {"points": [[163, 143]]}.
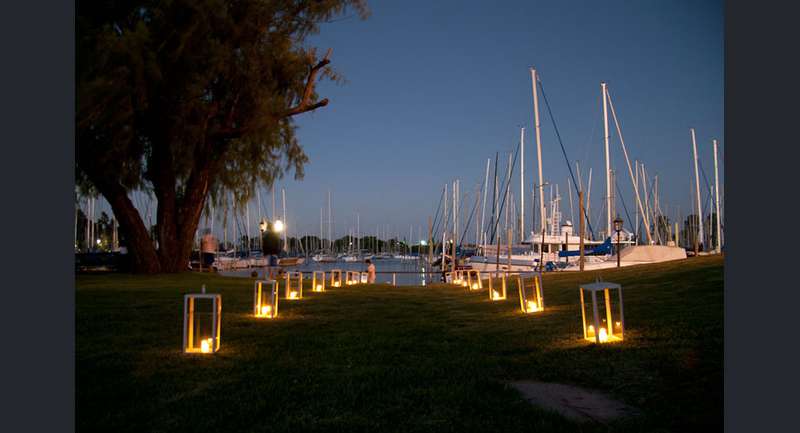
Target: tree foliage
{"points": [[193, 98]]}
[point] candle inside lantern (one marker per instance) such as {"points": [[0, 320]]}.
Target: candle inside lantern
{"points": [[532, 307], [495, 294], [292, 295], [464, 283], [319, 287], [205, 345], [603, 335], [336, 284], [474, 286], [590, 331], [266, 310]]}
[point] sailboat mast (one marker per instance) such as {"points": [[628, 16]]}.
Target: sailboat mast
{"points": [[718, 246], [636, 228], [588, 198], [444, 228], [285, 225], [483, 211], [697, 190], [330, 238], [534, 81], [522, 183], [608, 159]]}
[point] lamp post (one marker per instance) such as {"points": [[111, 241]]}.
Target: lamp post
{"points": [[618, 228]]}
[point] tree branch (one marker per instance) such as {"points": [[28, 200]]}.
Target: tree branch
{"points": [[305, 104]]}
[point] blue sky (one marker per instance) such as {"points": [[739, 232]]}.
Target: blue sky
{"points": [[435, 88]]}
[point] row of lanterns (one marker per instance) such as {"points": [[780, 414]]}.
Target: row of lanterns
{"points": [[600, 326], [597, 329], [206, 339]]}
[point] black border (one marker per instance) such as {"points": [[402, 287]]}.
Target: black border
{"points": [[37, 295], [761, 289]]}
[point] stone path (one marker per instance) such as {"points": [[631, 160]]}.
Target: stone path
{"points": [[575, 403]]}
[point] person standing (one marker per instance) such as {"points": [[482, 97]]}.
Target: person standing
{"points": [[208, 248], [370, 272]]}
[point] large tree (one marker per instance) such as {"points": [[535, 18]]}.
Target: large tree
{"points": [[188, 99]]}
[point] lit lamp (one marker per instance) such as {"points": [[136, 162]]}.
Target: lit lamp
{"points": [[318, 284], [474, 279], [454, 277], [201, 329], [350, 277], [336, 278], [364, 277], [294, 292], [497, 293], [618, 228], [265, 299], [530, 294], [602, 328], [277, 226]]}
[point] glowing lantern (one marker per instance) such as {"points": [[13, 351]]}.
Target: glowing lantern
{"points": [[318, 284], [600, 329], [265, 299], [474, 279], [336, 278], [294, 291], [455, 277], [530, 293], [364, 277], [201, 329], [497, 293], [351, 277]]}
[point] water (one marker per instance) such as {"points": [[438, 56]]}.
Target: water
{"points": [[383, 269]]}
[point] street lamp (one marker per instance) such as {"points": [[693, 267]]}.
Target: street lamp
{"points": [[618, 228]]}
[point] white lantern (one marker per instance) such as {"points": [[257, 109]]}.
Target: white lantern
{"points": [[497, 292], [265, 299], [530, 293], [602, 327], [336, 278], [318, 281], [474, 281], [364, 277], [202, 314], [294, 285], [350, 278]]}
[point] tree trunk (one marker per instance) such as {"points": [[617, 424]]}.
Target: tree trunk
{"points": [[141, 250]]}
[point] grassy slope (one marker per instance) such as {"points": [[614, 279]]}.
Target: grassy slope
{"points": [[382, 358]]}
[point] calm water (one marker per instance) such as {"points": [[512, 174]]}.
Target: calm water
{"points": [[383, 268]]}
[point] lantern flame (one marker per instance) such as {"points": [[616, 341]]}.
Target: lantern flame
{"points": [[495, 294], [603, 335], [292, 295], [205, 345]]}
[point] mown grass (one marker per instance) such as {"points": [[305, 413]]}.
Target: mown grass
{"points": [[382, 358]]}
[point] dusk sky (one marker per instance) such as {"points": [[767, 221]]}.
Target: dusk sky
{"points": [[435, 88]]}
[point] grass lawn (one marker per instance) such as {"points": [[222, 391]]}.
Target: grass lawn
{"points": [[382, 358]]}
